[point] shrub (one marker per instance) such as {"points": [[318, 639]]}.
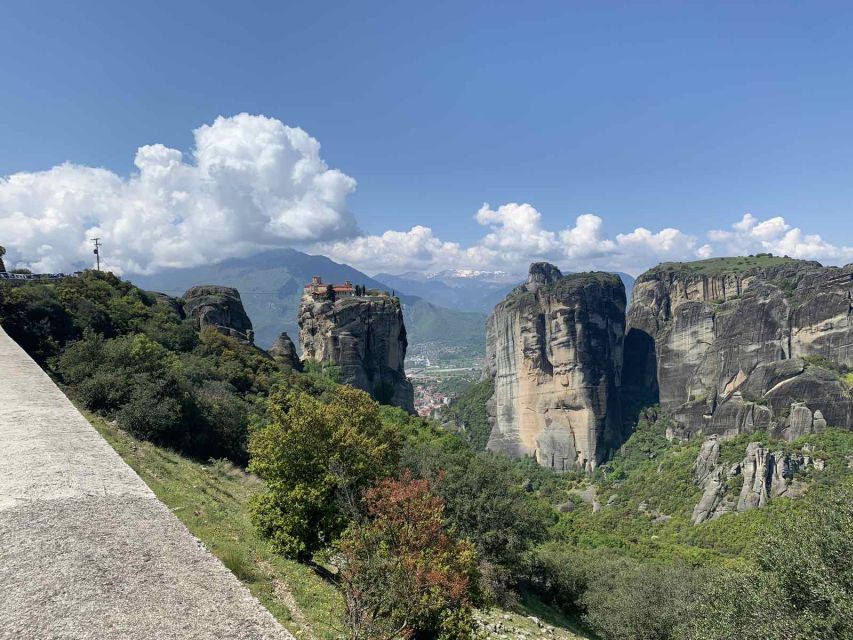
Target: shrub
{"points": [[798, 585], [633, 601], [154, 412], [316, 459], [485, 503], [225, 418], [617, 597], [238, 562], [402, 574]]}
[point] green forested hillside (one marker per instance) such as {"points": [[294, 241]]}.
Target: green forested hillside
{"points": [[625, 557]]}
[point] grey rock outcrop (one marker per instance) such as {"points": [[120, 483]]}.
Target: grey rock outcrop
{"points": [[554, 350], [284, 351], [732, 349], [711, 477], [765, 475], [768, 475], [364, 337], [218, 307]]}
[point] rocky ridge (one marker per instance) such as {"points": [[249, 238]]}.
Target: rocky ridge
{"points": [[218, 307], [763, 474], [554, 351], [735, 348], [364, 339]]}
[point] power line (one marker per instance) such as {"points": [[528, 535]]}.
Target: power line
{"points": [[248, 293], [97, 251]]}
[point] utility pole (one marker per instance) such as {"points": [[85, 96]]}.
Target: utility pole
{"points": [[97, 251]]}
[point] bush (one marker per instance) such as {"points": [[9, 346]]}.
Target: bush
{"points": [[633, 601], [402, 574], [798, 585], [316, 459], [485, 503], [617, 597], [226, 417], [154, 412]]}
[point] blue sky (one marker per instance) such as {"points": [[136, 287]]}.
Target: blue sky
{"points": [[655, 115]]}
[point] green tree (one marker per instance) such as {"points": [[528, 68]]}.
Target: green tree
{"points": [[468, 412], [798, 585], [403, 575], [316, 459], [485, 503], [628, 600]]}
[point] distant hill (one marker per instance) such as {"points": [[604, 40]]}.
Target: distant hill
{"points": [[271, 282], [463, 290], [466, 290]]}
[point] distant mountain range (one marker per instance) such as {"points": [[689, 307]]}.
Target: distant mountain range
{"points": [[448, 307], [477, 291], [465, 290], [270, 284]]}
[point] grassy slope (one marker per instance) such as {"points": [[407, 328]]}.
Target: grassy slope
{"points": [[650, 477], [211, 500]]}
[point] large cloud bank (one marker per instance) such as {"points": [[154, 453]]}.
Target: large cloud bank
{"points": [[515, 237], [252, 182]]}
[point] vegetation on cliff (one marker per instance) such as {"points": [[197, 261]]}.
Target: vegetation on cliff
{"points": [[467, 412], [732, 265]]}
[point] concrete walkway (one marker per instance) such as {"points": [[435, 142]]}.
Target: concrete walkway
{"points": [[86, 549]]}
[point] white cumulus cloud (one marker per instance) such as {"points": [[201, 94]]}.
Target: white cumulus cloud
{"points": [[774, 235], [395, 251], [516, 237], [251, 182]]}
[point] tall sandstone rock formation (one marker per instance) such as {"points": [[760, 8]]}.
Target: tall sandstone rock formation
{"points": [[554, 351], [284, 351], [365, 338], [218, 307], [738, 345]]}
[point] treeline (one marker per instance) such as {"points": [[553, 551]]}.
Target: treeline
{"points": [[129, 356]]}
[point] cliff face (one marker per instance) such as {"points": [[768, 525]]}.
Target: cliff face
{"points": [[554, 351], [219, 307], [733, 349], [365, 338]]}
